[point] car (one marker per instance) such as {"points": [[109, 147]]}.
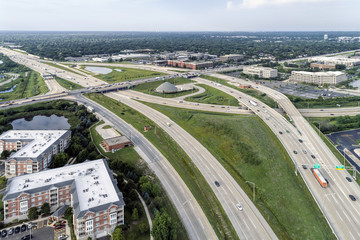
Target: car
{"points": [[11, 231], [3, 233], [331, 114], [295, 151], [352, 197], [321, 109], [304, 151], [349, 179], [300, 140], [27, 237], [217, 183], [287, 131], [239, 206], [304, 167], [29, 226], [59, 226], [313, 156], [23, 228], [63, 237], [17, 229], [280, 132]]}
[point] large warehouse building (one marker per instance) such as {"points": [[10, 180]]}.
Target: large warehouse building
{"points": [[89, 188], [318, 77], [34, 149]]}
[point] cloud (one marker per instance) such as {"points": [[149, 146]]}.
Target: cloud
{"points": [[259, 3]]}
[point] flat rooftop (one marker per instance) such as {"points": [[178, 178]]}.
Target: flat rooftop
{"points": [[93, 182], [39, 141], [116, 140], [331, 73]]}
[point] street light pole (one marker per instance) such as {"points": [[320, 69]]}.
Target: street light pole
{"points": [[253, 189], [319, 128]]}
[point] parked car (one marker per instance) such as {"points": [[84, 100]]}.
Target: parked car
{"points": [[3, 233], [11, 231], [27, 237], [59, 226], [23, 228], [17, 229], [63, 237], [217, 183]]}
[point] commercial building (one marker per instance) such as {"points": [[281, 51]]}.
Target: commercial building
{"points": [[34, 149], [190, 65], [261, 72], [88, 187], [231, 57], [318, 77], [323, 66], [116, 143], [349, 62], [326, 37]]}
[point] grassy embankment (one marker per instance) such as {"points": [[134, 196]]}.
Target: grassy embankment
{"points": [[28, 85], [250, 151], [150, 87], [179, 160], [126, 74], [62, 67], [301, 102], [252, 92], [213, 96], [67, 84]]}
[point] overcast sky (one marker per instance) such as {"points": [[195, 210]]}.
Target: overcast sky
{"points": [[180, 15]]}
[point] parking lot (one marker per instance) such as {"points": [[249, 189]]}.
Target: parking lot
{"points": [[39, 233]]}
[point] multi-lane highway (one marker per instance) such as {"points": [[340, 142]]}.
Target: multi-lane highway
{"points": [[342, 213], [249, 223]]}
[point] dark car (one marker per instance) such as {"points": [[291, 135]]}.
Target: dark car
{"points": [[300, 140], [304, 167], [17, 229], [62, 225], [3, 233], [352, 197], [217, 183], [11, 231], [349, 179], [23, 228], [295, 151], [280, 132], [313, 156], [27, 237]]}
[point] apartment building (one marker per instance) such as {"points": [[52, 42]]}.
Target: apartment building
{"points": [[323, 66], [34, 149], [261, 72], [318, 77], [89, 188]]}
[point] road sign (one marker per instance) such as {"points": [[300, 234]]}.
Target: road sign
{"points": [[340, 167], [317, 166]]}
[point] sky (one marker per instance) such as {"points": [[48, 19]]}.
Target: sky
{"points": [[180, 15]]}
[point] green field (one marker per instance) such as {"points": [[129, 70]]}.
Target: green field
{"points": [[67, 84], [250, 151], [301, 102], [213, 96], [127, 74], [62, 67], [179, 160], [149, 87], [252, 92], [27, 85]]}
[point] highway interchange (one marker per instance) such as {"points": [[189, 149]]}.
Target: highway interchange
{"points": [[341, 213]]}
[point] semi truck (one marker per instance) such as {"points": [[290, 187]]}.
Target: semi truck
{"points": [[323, 182], [253, 103]]}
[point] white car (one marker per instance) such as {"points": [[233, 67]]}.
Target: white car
{"points": [[239, 206], [63, 237]]}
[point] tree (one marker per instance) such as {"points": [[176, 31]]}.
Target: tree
{"points": [[33, 213], [143, 228], [118, 234], [45, 208], [89, 238], [59, 160], [163, 227], [135, 214], [5, 154]]}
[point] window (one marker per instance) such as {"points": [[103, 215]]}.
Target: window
{"points": [[13, 205], [89, 226], [113, 219], [23, 206], [39, 198], [105, 222], [14, 214], [97, 219], [105, 217]]}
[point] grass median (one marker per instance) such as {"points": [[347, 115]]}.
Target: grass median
{"points": [[213, 96], [68, 69], [67, 84], [179, 160], [250, 91], [250, 151]]}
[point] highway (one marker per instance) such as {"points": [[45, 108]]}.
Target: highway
{"points": [[249, 223], [342, 214]]}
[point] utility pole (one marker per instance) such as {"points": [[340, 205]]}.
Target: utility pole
{"points": [[253, 189]]}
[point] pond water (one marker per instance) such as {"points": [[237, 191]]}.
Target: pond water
{"points": [[41, 122], [355, 83], [9, 90], [118, 70], [100, 70]]}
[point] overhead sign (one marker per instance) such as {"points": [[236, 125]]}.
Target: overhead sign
{"points": [[317, 166], [340, 167]]}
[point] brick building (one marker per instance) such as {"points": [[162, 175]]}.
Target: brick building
{"points": [[322, 66], [34, 149], [190, 65], [88, 187], [116, 143]]}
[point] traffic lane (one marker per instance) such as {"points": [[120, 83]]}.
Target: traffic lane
{"points": [[44, 233]]}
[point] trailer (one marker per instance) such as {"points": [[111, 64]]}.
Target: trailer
{"points": [[253, 103], [323, 182]]}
